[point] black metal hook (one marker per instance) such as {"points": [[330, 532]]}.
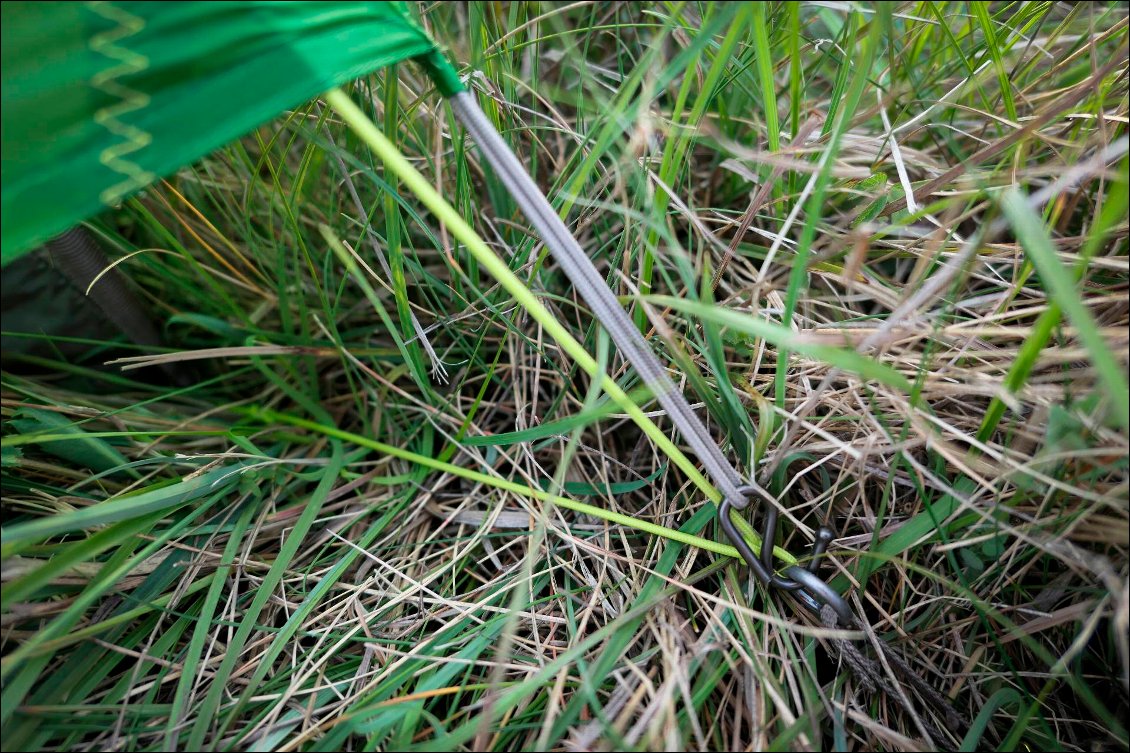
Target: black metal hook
{"points": [[801, 582]]}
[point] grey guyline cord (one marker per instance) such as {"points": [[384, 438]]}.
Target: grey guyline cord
{"points": [[811, 591], [596, 293]]}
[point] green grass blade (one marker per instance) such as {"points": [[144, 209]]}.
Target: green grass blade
{"points": [[1061, 286]]}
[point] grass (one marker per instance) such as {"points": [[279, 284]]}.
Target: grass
{"points": [[909, 324]]}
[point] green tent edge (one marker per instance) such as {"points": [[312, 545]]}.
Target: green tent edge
{"points": [[441, 72]]}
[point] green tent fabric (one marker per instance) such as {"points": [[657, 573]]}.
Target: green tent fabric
{"points": [[100, 99]]}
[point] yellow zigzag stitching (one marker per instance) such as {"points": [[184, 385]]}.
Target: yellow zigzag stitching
{"points": [[128, 62]]}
